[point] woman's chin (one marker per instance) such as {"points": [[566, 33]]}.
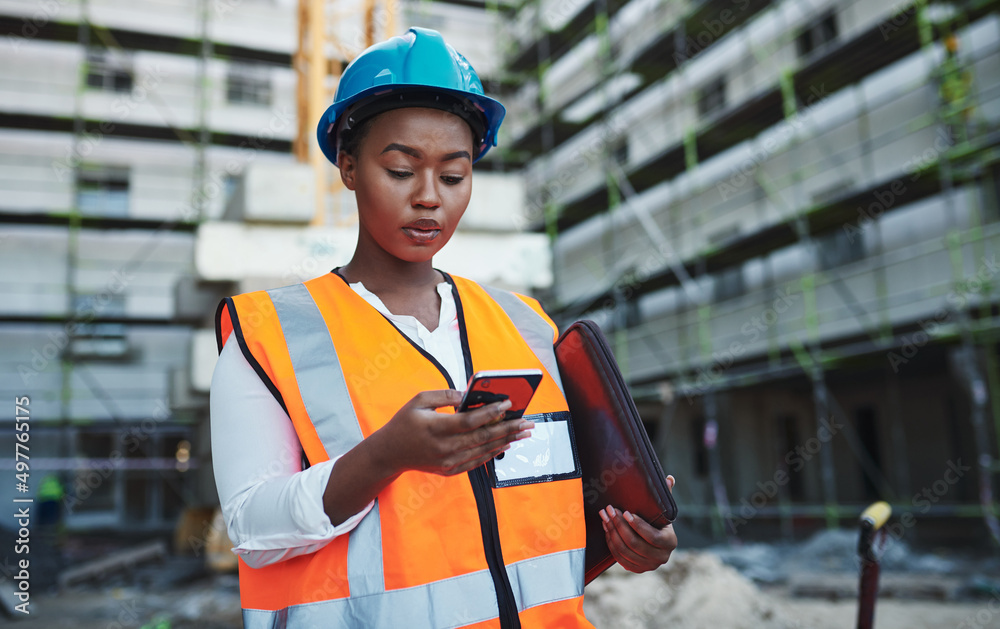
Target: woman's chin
{"points": [[421, 256], [420, 252]]}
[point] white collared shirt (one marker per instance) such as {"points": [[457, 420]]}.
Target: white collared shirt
{"points": [[272, 507], [444, 343]]}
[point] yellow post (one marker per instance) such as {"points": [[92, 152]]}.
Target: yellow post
{"points": [[316, 101], [335, 186], [318, 64], [301, 146], [369, 22], [390, 17]]}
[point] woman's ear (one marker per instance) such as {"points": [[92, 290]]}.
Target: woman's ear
{"points": [[348, 169]]}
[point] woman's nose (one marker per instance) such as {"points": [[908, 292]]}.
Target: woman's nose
{"points": [[426, 196]]}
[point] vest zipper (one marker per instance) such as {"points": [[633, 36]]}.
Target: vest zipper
{"points": [[506, 604], [491, 544]]}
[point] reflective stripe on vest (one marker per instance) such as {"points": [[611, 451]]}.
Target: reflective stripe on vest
{"points": [[535, 330], [453, 602], [324, 394], [317, 369]]}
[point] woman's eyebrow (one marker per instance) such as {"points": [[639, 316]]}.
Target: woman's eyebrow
{"points": [[456, 155], [403, 149], [395, 146]]}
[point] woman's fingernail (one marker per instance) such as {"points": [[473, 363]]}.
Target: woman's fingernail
{"points": [[628, 516], [526, 425], [524, 434], [604, 518], [505, 405], [605, 526]]}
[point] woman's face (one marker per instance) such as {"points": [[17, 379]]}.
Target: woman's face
{"points": [[412, 176]]}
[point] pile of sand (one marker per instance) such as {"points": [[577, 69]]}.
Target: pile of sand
{"points": [[692, 591]]}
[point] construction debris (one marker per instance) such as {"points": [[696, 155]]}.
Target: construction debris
{"points": [[694, 590], [830, 551], [844, 586], [120, 561], [7, 600]]}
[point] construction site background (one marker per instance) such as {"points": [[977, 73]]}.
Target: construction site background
{"points": [[784, 214]]}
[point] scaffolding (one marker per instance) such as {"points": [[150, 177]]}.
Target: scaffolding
{"points": [[98, 329], [667, 359], [120, 428]]}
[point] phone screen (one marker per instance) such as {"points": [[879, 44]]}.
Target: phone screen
{"points": [[487, 387]]}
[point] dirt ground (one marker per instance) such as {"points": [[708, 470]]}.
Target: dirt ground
{"points": [[207, 604], [694, 591], [697, 591], [891, 614]]}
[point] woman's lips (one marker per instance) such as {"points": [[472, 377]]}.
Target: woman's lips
{"points": [[422, 230], [421, 235]]}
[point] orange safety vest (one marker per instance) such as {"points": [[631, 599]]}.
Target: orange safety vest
{"points": [[435, 551]]}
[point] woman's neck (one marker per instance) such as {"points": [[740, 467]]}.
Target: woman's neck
{"points": [[386, 275], [405, 288]]}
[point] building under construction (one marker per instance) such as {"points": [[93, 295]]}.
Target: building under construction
{"points": [[155, 157], [784, 215]]}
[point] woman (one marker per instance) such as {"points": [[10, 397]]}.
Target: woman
{"points": [[396, 520]]}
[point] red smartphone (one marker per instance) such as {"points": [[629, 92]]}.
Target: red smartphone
{"points": [[487, 387]]}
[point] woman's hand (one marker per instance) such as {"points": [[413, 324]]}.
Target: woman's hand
{"points": [[420, 438], [635, 544]]}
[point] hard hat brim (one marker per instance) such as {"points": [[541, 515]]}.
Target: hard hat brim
{"points": [[330, 123]]}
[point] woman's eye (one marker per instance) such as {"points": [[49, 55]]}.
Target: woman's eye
{"points": [[452, 180], [399, 174]]}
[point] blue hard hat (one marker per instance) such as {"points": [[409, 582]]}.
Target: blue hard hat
{"points": [[418, 69]]}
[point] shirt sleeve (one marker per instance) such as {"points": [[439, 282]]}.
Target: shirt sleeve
{"points": [[272, 507]]}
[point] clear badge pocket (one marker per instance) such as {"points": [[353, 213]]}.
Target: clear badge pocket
{"points": [[548, 455]]}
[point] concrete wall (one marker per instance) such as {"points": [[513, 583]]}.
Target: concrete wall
{"points": [[131, 271], [42, 78], [921, 427], [259, 24], [38, 170]]}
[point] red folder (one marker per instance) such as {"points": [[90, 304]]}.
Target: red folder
{"points": [[619, 464]]}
